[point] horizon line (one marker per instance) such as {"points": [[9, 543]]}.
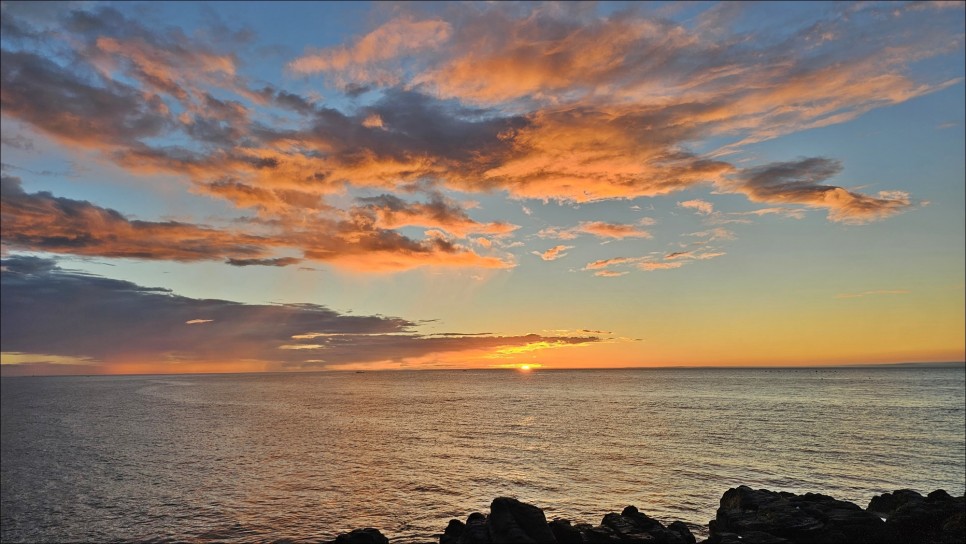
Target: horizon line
{"points": [[905, 364]]}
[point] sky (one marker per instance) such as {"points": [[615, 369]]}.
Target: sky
{"points": [[246, 187]]}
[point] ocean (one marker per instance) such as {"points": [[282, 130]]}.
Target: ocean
{"points": [[264, 457]]}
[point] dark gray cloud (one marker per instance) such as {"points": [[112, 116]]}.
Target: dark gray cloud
{"points": [[801, 182], [279, 261], [43, 222], [64, 104], [18, 141], [49, 310]]}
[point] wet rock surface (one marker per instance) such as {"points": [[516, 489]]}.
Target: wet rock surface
{"points": [[904, 516], [744, 516], [513, 522]]}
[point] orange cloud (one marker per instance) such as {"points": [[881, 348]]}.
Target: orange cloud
{"points": [[553, 253], [609, 273], [600, 229], [538, 102], [649, 266], [355, 62], [550, 157], [41, 221], [604, 263], [392, 212]]}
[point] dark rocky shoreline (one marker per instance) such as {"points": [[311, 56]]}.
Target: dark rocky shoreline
{"points": [[745, 516]]}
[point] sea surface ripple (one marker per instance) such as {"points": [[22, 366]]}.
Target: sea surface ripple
{"points": [[264, 457]]}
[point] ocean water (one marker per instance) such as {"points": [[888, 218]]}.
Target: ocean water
{"points": [[252, 458]]}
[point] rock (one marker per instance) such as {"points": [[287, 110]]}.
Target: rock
{"points": [[936, 518], [600, 535], [475, 530], [682, 531], [954, 529], [564, 532], [454, 530], [812, 518], [634, 526], [515, 522], [361, 536], [757, 537], [887, 503]]}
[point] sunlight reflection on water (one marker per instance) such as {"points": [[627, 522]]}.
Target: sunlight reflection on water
{"points": [[243, 458]]}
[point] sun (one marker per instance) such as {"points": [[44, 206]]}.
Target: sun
{"points": [[524, 368]]}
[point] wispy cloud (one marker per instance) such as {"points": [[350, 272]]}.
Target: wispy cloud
{"points": [[652, 265], [358, 62], [600, 229], [553, 253], [701, 206], [610, 273]]}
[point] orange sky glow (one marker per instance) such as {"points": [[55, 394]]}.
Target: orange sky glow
{"points": [[469, 185]]}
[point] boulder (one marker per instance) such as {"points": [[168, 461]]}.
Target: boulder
{"points": [[808, 518], [475, 531], [515, 522], [886, 503], [454, 530], [361, 536], [682, 530], [564, 532], [910, 517]]}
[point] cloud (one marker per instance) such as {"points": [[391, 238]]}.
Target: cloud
{"points": [[553, 253], [43, 222], [527, 102], [649, 266], [794, 213], [18, 141], [717, 233], [701, 255], [609, 104], [279, 261], [800, 182], [355, 63], [701, 206], [125, 324], [392, 212], [64, 105], [609, 273], [604, 263], [600, 229]]}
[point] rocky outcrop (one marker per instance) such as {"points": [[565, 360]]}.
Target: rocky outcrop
{"points": [[761, 516], [935, 518], [361, 536], [513, 522], [744, 516], [767, 516]]}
